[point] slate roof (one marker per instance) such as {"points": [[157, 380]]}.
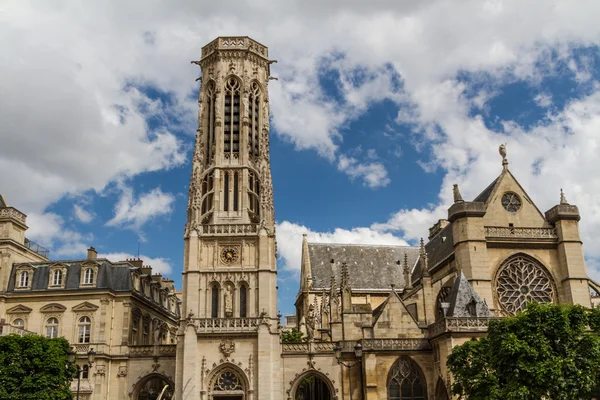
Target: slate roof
{"points": [[114, 276], [461, 295], [440, 246], [369, 266], [485, 195]]}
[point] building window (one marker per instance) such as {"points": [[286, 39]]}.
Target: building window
{"points": [[52, 328], [19, 323], [235, 191], [88, 276], [211, 97], [254, 118], [243, 305], [146, 333], [231, 119], [215, 302], [226, 192], [85, 372], [57, 277], [85, 330], [406, 381], [24, 279]]}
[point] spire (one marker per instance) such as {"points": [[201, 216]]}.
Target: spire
{"points": [[345, 277], [305, 269], [563, 199], [502, 150], [457, 197], [424, 259]]}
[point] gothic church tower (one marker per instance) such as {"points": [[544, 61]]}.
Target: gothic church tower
{"points": [[228, 342]]}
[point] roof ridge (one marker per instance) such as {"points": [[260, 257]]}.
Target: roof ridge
{"points": [[363, 245]]}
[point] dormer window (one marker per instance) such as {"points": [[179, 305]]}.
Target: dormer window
{"points": [[57, 277], [88, 276], [89, 273], [24, 279]]}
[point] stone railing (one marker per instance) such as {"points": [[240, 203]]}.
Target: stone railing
{"points": [[508, 232], [396, 344], [7, 329], [468, 324], [225, 230], [153, 350], [295, 347], [208, 325], [11, 212]]}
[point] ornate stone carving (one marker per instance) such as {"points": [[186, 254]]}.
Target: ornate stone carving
{"points": [[122, 372], [227, 347]]}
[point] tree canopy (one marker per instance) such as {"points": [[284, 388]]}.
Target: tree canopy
{"points": [[292, 336], [545, 352], [33, 367]]}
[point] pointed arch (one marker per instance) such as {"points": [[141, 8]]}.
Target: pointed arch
{"points": [[520, 279], [441, 393], [150, 386], [406, 381], [211, 100], [254, 117], [312, 383], [228, 379], [231, 116]]}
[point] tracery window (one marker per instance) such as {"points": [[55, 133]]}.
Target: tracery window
{"points": [[150, 389], [520, 280], [243, 303], [24, 279], [84, 330], [57, 277], [312, 387], [52, 328], [88, 277], [511, 202], [227, 381], [406, 381], [211, 99], [231, 119], [254, 117]]}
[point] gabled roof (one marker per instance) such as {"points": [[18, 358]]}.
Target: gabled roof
{"points": [[462, 296], [369, 266], [487, 192], [392, 317]]}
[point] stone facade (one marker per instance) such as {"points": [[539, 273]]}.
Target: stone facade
{"points": [[379, 321]]}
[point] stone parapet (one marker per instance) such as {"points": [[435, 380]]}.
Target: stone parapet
{"points": [[466, 325], [466, 209], [215, 325], [235, 43], [563, 212], [511, 232], [14, 214]]}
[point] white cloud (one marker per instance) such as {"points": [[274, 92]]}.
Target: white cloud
{"points": [[133, 213], [543, 100], [374, 174], [81, 214], [50, 231], [289, 241], [158, 264]]}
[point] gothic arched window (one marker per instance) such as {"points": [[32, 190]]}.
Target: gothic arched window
{"points": [[214, 312], [253, 194], [254, 117], [520, 280], [406, 381], [211, 99], [312, 387], [243, 302], [226, 191], [235, 191], [231, 117]]}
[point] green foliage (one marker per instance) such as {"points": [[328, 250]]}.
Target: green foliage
{"points": [[293, 336], [33, 367], [545, 352]]}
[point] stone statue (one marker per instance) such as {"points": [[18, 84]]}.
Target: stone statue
{"points": [[563, 199], [228, 303], [502, 151], [310, 322]]}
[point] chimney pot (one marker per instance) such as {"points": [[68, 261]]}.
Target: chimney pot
{"points": [[92, 254]]}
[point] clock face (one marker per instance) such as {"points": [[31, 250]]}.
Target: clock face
{"points": [[229, 255], [511, 202]]}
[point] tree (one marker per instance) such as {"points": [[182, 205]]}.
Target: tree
{"points": [[293, 336], [33, 367], [545, 352]]}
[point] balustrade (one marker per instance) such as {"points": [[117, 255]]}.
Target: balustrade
{"points": [[509, 232]]}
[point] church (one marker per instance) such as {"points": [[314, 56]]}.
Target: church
{"points": [[378, 321]]}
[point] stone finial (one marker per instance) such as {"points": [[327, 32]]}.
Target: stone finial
{"points": [[457, 197], [502, 151], [407, 275], [422, 247], [563, 199]]}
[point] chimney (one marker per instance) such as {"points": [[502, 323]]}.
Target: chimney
{"points": [[92, 254], [136, 262]]}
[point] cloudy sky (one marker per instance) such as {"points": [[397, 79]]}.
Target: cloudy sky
{"points": [[379, 108]]}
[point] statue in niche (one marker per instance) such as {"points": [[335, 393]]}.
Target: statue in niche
{"points": [[228, 302], [310, 322]]}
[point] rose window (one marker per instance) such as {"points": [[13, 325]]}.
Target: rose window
{"points": [[511, 202], [227, 381], [521, 280]]}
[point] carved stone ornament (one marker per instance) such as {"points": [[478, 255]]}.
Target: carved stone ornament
{"points": [[122, 373], [227, 347]]}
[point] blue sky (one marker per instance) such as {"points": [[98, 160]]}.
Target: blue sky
{"points": [[376, 113]]}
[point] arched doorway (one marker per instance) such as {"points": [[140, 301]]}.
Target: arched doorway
{"points": [[406, 381], [312, 386], [228, 383], [151, 386]]}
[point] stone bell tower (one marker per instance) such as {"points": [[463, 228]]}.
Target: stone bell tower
{"points": [[228, 343]]}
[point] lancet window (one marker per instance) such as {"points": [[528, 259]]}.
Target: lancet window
{"points": [[243, 302], [253, 193], [214, 312], [211, 99], [254, 118], [207, 193], [231, 119]]}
